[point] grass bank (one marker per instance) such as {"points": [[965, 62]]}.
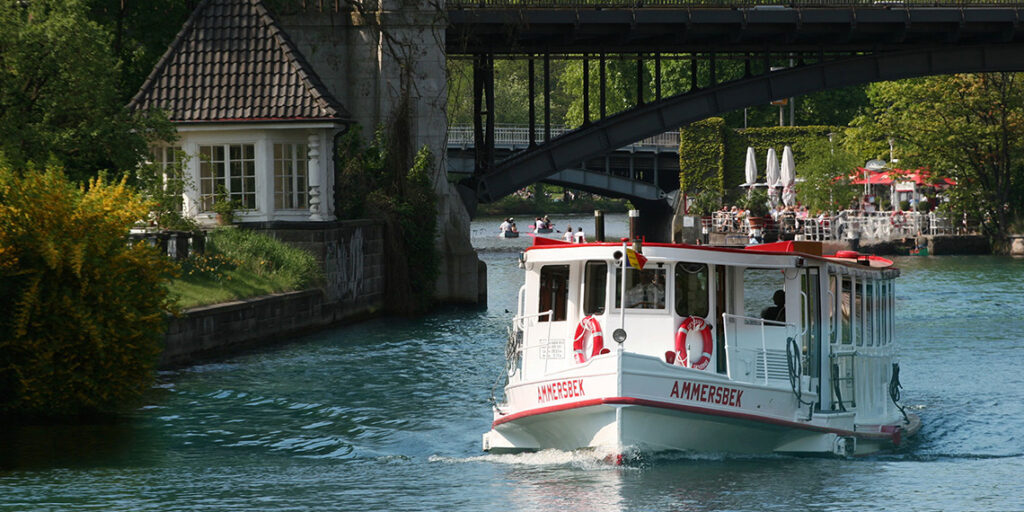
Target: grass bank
{"points": [[240, 264]]}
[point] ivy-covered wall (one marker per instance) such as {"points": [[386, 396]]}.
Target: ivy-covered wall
{"points": [[711, 154], [702, 156]]}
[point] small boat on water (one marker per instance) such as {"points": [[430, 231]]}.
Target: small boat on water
{"points": [[668, 348], [543, 230], [509, 234]]}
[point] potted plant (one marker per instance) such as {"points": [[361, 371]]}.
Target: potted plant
{"points": [[757, 204], [224, 207], [704, 204]]}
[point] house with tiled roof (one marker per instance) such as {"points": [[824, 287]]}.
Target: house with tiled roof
{"points": [[255, 123]]}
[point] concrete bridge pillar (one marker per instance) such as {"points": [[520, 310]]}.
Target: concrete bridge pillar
{"points": [[376, 56], [655, 223]]}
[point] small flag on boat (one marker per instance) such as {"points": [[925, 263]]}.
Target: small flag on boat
{"points": [[636, 260]]}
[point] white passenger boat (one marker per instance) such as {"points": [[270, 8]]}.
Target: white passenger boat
{"points": [[691, 363]]}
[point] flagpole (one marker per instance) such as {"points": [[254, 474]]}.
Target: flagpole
{"points": [[622, 290]]}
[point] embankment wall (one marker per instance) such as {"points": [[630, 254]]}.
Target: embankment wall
{"points": [[352, 254]]}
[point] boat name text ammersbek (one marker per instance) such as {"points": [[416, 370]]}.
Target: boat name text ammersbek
{"points": [[562, 389], [708, 393]]}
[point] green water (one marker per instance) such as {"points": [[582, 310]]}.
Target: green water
{"points": [[387, 415]]}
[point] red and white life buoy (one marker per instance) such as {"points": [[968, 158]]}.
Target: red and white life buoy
{"points": [[898, 219], [589, 325], [691, 324]]}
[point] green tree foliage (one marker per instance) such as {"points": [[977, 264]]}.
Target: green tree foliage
{"points": [[139, 34], [83, 312], [832, 107], [511, 92], [58, 98], [969, 126], [825, 169], [377, 181]]}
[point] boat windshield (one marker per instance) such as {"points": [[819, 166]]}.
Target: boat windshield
{"points": [[645, 289], [691, 293]]}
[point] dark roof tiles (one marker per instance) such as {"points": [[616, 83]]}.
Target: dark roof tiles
{"points": [[231, 61]]}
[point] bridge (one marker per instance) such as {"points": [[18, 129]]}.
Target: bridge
{"points": [[645, 170], [830, 44]]}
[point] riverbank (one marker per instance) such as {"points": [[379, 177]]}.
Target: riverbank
{"points": [[217, 330], [514, 205], [351, 254]]}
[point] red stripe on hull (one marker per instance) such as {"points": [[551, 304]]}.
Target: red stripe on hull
{"points": [[891, 434]]}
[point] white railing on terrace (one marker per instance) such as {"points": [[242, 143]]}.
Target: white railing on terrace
{"points": [[847, 224], [519, 136]]}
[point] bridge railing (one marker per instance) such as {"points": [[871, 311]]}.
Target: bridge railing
{"points": [[519, 136]]}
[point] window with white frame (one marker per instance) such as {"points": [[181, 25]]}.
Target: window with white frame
{"points": [[166, 156], [290, 177], [231, 166]]}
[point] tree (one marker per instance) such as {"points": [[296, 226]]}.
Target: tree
{"points": [[84, 312], [825, 169], [59, 102], [969, 126], [139, 33]]}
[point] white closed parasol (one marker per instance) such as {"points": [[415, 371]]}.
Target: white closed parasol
{"points": [[788, 177], [772, 176], [750, 170]]}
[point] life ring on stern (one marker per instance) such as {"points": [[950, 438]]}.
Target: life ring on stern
{"points": [[898, 219], [690, 324], [589, 324]]}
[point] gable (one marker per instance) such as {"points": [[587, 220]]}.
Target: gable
{"points": [[232, 62]]}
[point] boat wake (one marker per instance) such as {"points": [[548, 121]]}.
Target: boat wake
{"points": [[592, 459], [580, 459]]}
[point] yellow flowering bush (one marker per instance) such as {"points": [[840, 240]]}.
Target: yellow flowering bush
{"points": [[82, 312]]}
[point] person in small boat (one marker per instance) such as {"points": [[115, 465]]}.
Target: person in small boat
{"points": [[647, 293], [506, 226], [547, 223], [568, 236], [778, 311], [538, 224]]}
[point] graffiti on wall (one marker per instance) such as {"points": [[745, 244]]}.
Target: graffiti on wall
{"points": [[343, 266]]}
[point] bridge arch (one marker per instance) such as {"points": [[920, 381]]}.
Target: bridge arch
{"points": [[600, 137]]}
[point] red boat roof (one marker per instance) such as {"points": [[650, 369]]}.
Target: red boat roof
{"points": [[805, 248]]}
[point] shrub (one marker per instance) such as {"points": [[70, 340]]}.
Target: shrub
{"points": [[265, 256], [387, 180], [83, 312]]}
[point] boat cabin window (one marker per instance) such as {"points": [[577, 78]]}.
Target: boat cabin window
{"points": [[691, 289], [763, 294], [887, 311], [554, 292], [834, 298], [848, 310], [645, 289], [595, 286], [867, 324]]}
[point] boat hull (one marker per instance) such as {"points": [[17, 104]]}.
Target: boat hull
{"points": [[647, 406], [616, 427]]}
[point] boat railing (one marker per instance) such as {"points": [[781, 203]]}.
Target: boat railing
{"points": [[756, 348]]}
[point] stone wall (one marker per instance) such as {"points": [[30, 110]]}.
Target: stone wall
{"points": [[939, 245], [371, 59], [352, 253]]}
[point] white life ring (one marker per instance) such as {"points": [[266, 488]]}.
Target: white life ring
{"points": [[589, 325], [690, 324]]}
